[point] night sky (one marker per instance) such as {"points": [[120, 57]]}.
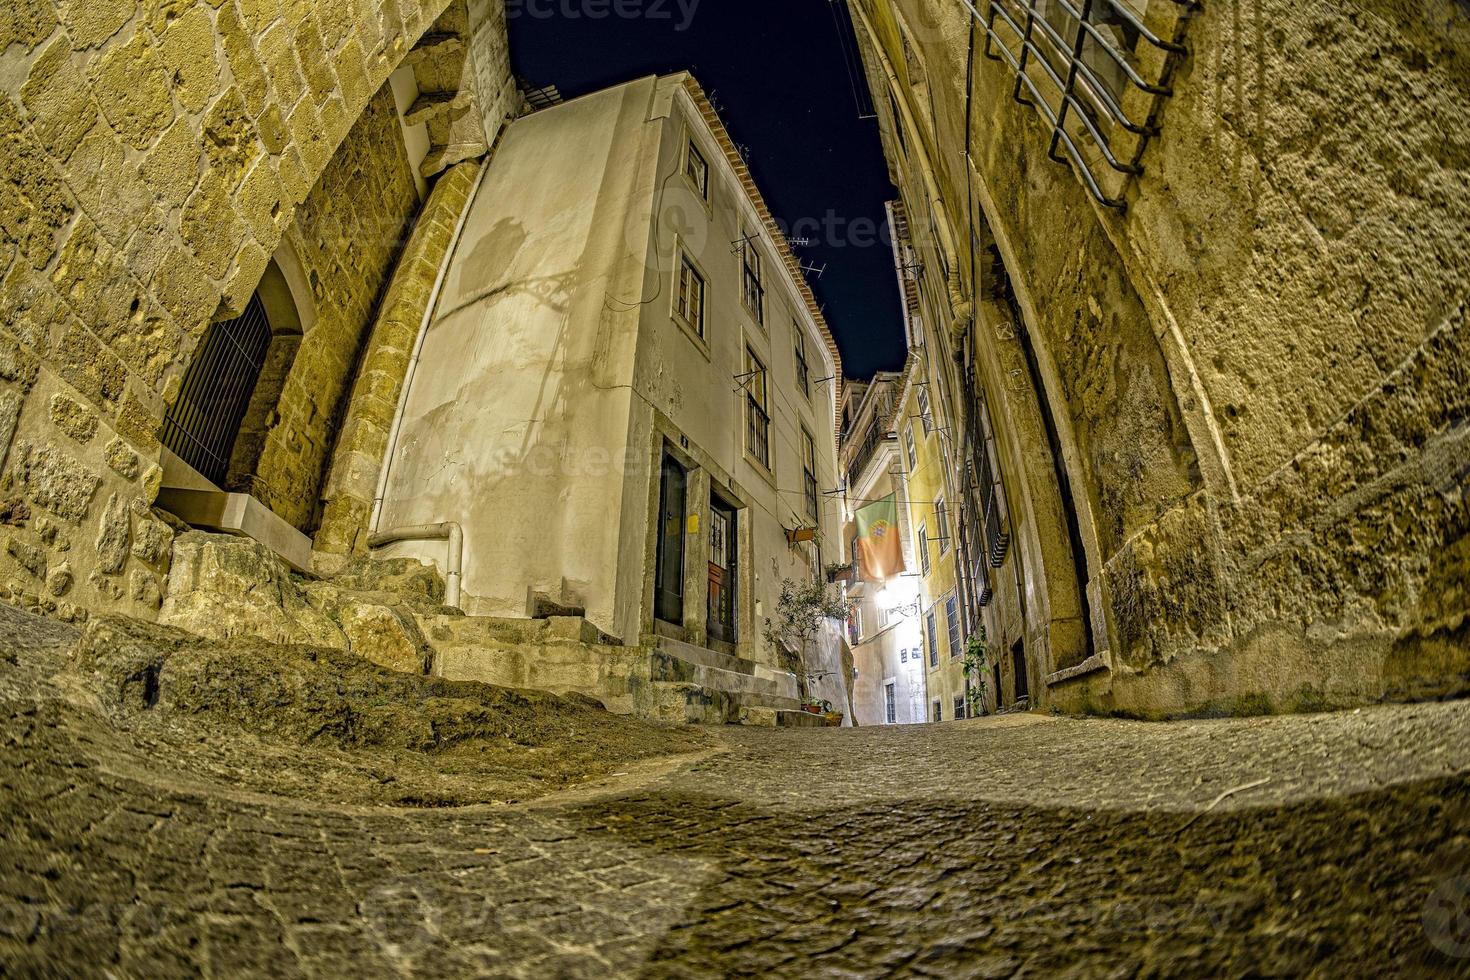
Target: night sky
{"points": [[776, 71]]}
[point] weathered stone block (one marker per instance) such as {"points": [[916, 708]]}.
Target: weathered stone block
{"points": [[223, 587], [187, 47], [26, 22], [113, 536], [152, 540], [137, 423], [55, 480], [133, 89], [230, 139], [73, 418], [87, 366], [173, 166], [57, 97], [90, 22]]}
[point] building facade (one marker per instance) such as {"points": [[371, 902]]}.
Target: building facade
{"points": [[1150, 300], [316, 276], [620, 395], [889, 687]]}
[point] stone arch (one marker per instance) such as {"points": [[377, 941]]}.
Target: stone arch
{"points": [[1056, 540], [159, 164]]}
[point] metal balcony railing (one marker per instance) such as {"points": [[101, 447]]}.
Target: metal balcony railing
{"points": [[1087, 67]]}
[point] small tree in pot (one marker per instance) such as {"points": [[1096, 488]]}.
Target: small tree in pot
{"points": [[800, 610]]}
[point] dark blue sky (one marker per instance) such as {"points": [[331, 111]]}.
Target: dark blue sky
{"points": [[776, 70]]}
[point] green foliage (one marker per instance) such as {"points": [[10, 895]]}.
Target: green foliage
{"points": [[976, 667], [801, 608]]}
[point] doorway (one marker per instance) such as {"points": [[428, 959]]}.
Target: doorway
{"points": [[1018, 664], [723, 571], [668, 586]]}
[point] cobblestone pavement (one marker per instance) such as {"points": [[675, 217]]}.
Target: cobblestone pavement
{"points": [[1334, 844]]}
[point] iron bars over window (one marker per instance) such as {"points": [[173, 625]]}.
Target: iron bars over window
{"points": [[201, 426], [1094, 70]]}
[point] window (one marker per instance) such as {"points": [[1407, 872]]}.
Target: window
{"points": [[959, 706], [752, 291], [941, 524], [689, 301], [809, 472], [882, 616], [924, 411], [933, 640], [938, 710], [952, 620], [923, 543], [909, 448], [803, 373], [855, 623], [696, 168], [903, 655], [757, 417], [890, 703]]}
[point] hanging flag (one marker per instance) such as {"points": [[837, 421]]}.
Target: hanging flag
{"points": [[880, 553]]}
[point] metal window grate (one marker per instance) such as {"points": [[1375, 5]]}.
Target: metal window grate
{"points": [[201, 426], [1085, 66]]}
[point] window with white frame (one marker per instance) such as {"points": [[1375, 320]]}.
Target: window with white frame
{"points": [[809, 472], [910, 449], [803, 373], [689, 297], [931, 630], [941, 524], [952, 623], [924, 416], [922, 543], [752, 291], [696, 168], [757, 409]]}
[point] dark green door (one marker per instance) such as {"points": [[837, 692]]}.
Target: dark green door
{"points": [[668, 585]]}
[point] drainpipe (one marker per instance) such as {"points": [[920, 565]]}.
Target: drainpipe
{"points": [[418, 347], [957, 299], [428, 532]]}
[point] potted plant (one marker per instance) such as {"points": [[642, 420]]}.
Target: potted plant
{"points": [[800, 610]]}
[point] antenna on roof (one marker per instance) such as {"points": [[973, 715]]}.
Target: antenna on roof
{"points": [[814, 270], [802, 242]]}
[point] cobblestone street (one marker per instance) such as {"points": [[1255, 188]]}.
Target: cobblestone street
{"points": [[993, 847]]}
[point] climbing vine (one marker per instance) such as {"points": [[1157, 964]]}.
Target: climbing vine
{"points": [[976, 665]]}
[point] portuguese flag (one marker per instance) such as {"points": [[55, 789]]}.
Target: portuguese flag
{"points": [[880, 553]]}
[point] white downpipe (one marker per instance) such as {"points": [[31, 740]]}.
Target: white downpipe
{"points": [[418, 347], [454, 566]]}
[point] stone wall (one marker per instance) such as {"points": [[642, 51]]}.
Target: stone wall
{"points": [[347, 235], [1258, 368], [154, 156], [363, 444]]}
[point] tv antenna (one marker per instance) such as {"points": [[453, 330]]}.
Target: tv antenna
{"points": [[814, 270]]}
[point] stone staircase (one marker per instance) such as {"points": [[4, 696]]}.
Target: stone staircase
{"points": [[391, 613], [670, 682]]}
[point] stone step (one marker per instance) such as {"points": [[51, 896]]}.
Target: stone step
{"points": [[432, 105], [668, 667], [433, 46], [724, 661], [442, 157], [695, 704], [783, 718]]}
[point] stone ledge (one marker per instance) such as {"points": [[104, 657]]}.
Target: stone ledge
{"points": [[1091, 665]]}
